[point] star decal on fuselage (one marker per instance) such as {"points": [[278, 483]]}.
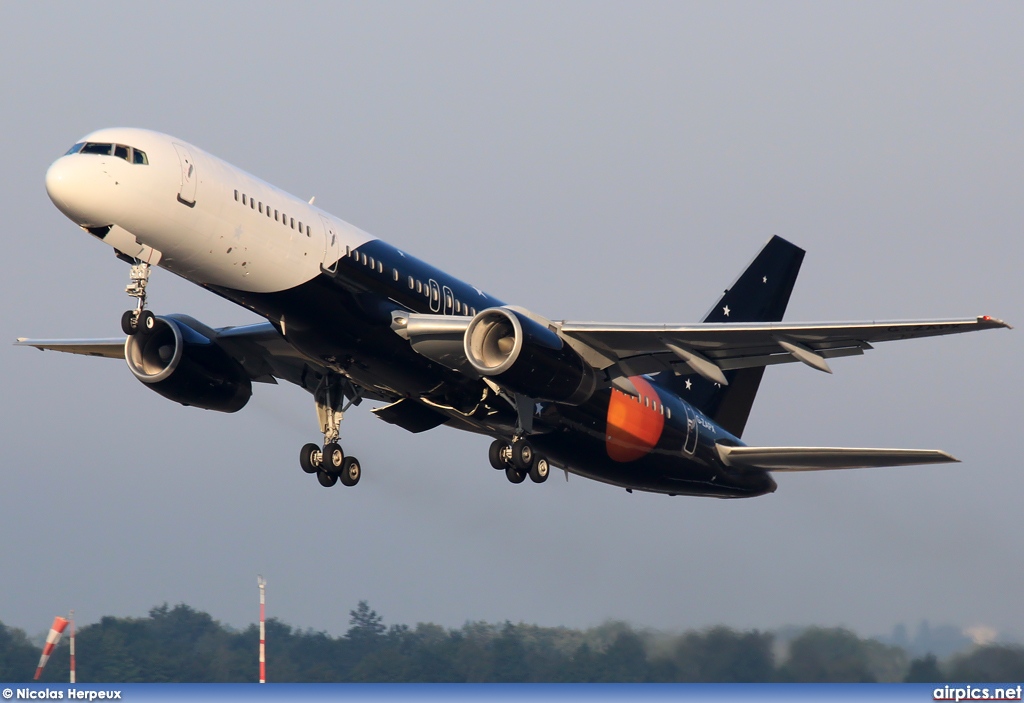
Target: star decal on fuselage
{"points": [[764, 279]]}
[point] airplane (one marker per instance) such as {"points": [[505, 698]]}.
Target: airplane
{"points": [[649, 407]]}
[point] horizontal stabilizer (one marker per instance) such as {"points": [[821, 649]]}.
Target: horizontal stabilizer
{"points": [[826, 458]]}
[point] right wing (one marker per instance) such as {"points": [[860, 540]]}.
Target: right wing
{"points": [[827, 458]]}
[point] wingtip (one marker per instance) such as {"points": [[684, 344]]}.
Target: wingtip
{"points": [[994, 321]]}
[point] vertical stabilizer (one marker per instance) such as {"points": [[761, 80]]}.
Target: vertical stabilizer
{"points": [[760, 294]]}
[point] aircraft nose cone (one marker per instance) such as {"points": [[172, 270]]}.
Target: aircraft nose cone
{"points": [[58, 184], [77, 189]]}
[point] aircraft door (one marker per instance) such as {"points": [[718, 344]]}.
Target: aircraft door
{"points": [[332, 245], [435, 296], [690, 445], [189, 179]]}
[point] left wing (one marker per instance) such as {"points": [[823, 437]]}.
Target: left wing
{"points": [[711, 348], [827, 458]]}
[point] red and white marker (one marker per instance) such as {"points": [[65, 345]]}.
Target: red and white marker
{"points": [[71, 617], [52, 639], [263, 632]]}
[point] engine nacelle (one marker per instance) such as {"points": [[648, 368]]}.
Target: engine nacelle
{"points": [[527, 357], [188, 367]]}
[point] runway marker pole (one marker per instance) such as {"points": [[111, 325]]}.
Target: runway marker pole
{"points": [[72, 619], [263, 632]]}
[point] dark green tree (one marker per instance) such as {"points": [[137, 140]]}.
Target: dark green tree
{"points": [[924, 670], [994, 663]]}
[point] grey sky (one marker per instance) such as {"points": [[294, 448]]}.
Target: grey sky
{"points": [[589, 161]]}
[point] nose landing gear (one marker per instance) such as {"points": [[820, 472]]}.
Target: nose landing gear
{"points": [[330, 463], [139, 319]]}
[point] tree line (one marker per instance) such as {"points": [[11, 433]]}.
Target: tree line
{"points": [[180, 644]]}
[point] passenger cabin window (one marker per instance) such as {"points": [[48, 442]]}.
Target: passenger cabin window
{"points": [[412, 283], [396, 274], [245, 199], [309, 232], [261, 208], [236, 195]]}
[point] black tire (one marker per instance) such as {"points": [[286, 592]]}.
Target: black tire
{"points": [[146, 322], [496, 454], [540, 470], [351, 471], [326, 480], [522, 455], [128, 322], [333, 459], [308, 458], [514, 475]]}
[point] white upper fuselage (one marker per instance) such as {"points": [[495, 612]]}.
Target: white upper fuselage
{"points": [[196, 215]]}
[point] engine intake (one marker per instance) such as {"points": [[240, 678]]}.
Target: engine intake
{"points": [[188, 367], [527, 357]]}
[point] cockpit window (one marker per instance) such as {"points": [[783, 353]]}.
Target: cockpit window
{"points": [[119, 150], [95, 148]]}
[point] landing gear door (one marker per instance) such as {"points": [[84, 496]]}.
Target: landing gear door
{"points": [[189, 179], [690, 445], [332, 245]]}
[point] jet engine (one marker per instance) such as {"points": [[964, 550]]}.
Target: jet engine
{"points": [[527, 357], [184, 365]]}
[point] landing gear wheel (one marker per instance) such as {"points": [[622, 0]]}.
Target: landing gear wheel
{"points": [[146, 322], [496, 454], [309, 458], [326, 480], [333, 459], [522, 455], [514, 475], [540, 470], [350, 471], [128, 322]]}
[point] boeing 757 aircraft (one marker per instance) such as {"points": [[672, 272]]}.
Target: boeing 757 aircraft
{"points": [[651, 407]]}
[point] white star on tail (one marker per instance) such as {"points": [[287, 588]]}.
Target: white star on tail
{"points": [[688, 384], [726, 310]]}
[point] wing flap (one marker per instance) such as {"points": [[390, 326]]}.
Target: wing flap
{"points": [[827, 458]]}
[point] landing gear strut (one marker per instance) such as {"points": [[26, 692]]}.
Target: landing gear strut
{"points": [[518, 460], [330, 463], [139, 319]]}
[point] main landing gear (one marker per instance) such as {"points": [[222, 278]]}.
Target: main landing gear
{"points": [[518, 460], [139, 319], [330, 463]]}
